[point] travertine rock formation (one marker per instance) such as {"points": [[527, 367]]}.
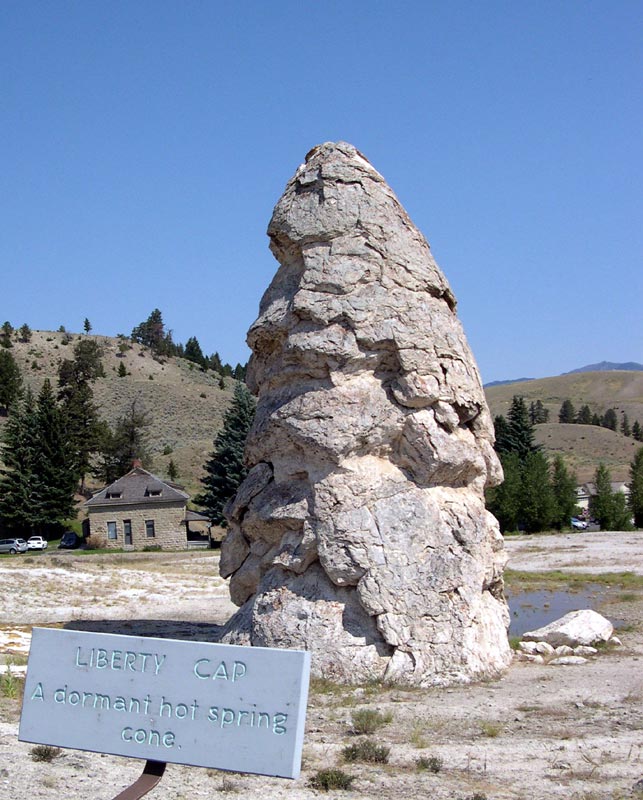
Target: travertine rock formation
{"points": [[361, 532]]}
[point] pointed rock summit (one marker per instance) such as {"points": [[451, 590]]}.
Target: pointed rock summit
{"points": [[361, 532]]}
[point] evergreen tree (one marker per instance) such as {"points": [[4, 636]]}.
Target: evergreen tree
{"points": [[600, 503], [152, 334], [538, 414], [636, 488], [84, 429], [584, 416], [172, 471], [537, 506], [87, 325], [214, 362], [10, 381], [124, 444], [606, 506], [193, 352], [504, 501], [54, 477], [501, 428], [564, 489], [567, 412], [122, 370], [225, 469], [596, 420], [518, 437], [637, 431], [625, 426], [24, 334], [5, 335], [610, 419], [20, 456]]}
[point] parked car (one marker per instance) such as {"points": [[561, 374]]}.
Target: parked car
{"points": [[36, 543], [13, 546], [579, 524], [69, 541]]}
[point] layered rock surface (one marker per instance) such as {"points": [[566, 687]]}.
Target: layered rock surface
{"points": [[360, 532]]}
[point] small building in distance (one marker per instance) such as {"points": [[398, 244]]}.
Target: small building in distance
{"points": [[140, 511]]}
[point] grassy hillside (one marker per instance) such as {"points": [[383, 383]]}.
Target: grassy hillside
{"points": [[583, 446], [186, 405]]}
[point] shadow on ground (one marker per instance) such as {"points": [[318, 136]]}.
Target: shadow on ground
{"points": [[159, 628]]}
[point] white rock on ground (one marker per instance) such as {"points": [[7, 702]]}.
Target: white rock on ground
{"points": [[361, 532], [576, 628]]}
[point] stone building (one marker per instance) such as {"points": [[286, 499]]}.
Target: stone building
{"points": [[140, 510]]}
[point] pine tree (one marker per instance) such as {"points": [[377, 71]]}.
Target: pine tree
{"points": [[610, 420], [537, 506], [596, 420], [87, 325], [5, 335], [584, 416], [10, 381], [600, 503], [122, 370], [564, 489], [625, 426], [24, 334], [54, 478], [606, 506], [172, 471], [193, 352], [538, 414], [84, 429], [636, 488], [567, 413], [518, 435], [225, 469], [125, 444], [637, 431], [19, 455], [504, 501]]}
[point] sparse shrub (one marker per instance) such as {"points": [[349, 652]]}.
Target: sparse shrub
{"points": [[491, 729], [431, 763], [228, 786], [367, 720], [44, 752], [150, 377], [328, 779], [368, 751], [167, 450], [35, 366], [10, 683]]}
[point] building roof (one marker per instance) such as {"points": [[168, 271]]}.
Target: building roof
{"points": [[138, 486]]}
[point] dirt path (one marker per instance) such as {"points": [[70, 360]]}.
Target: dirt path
{"points": [[539, 733]]}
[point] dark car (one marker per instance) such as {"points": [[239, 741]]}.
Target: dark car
{"points": [[70, 541]]}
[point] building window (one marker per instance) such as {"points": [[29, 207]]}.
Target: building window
{"points": [[149, 528], [127, 531], [111, 530]]}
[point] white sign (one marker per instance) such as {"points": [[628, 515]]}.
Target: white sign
{"points": [[208, 705]]}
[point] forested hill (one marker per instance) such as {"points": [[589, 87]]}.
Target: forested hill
{"points": [[185, 403], [582, 445]]}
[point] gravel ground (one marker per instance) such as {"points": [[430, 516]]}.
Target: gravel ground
{"points": [[541, 732]]}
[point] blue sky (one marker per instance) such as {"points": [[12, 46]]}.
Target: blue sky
{"points": [[143, 146]]}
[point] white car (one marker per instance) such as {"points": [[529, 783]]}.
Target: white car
{"points": [[579, 524], [36, 543]]}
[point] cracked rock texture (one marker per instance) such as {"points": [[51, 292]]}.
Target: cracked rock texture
{"points": [[360, 532]]}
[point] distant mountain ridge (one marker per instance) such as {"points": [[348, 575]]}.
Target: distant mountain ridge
{"points": [[602, 366], [608, 366]]}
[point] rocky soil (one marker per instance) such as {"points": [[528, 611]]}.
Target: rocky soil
{"points": [[540, 732]]}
